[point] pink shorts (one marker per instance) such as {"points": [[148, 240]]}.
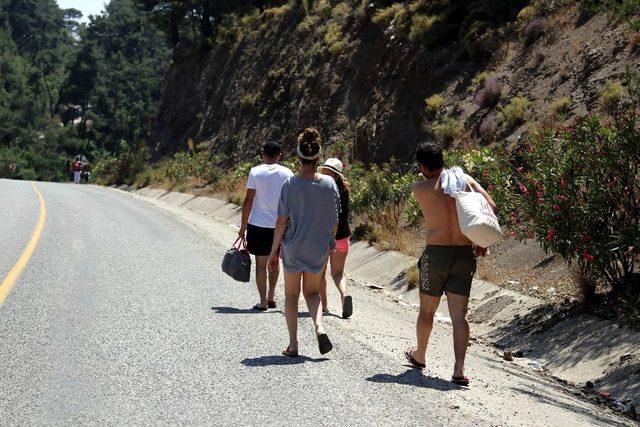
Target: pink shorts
{"points": [[342, 245]]}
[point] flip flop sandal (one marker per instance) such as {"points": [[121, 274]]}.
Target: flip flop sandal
{"points": [[412, 361], [347, 308], [271, 304], [324, 344], [258, 308], [463, 381], [289, 353]]}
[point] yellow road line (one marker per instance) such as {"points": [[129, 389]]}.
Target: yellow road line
{"points": [[12, 277]]}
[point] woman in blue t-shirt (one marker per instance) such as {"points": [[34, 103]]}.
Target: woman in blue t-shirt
{"points": [[304, 235]]}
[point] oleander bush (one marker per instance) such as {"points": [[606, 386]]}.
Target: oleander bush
{"points": [[579, 195]]}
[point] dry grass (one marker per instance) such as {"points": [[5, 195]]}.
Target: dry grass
{"points": [[412, 276]]}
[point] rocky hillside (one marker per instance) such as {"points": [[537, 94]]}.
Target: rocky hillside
{"points": [[382, 76]]}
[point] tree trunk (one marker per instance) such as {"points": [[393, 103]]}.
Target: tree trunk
{"points": [[207, 28], [175, 21], [46, 85]]}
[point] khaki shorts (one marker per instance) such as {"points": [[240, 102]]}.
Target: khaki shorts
{"points": [[446, 269]]}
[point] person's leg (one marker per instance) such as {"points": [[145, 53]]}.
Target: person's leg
{"points": [[323, 289], [458, 305], [433, 267], [424, 325], [338, 260], [261, 279], [273, 281], [291, 297], [310, 290]]}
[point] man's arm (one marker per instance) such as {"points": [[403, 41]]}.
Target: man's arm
{"points": [[246, 210], [278, 234], [478, 189]]}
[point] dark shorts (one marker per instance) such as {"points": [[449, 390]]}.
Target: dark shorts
{"points": [[259, 240], [446, 269]]}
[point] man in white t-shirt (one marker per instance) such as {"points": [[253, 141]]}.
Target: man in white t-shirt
{"points": [[259, 214]]}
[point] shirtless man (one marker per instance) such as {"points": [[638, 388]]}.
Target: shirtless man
{"points": [[448, 262]]}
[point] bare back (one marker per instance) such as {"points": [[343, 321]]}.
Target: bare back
{"points": [[440, 216]]}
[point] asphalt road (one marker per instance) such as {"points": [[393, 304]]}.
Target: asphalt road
{"points": [[122, 316]]}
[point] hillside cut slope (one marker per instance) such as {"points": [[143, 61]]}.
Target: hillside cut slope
{"points": [[382, 76]]}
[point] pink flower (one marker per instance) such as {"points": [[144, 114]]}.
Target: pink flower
{"points": [[520, 169], [562, 198], [557, 208], [587, 256], [551, 234], [539, 193], [563, 183], [523, 189]]}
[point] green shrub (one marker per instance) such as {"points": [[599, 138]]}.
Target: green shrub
{"points": [[492, 169], [396, 13], [120, 169], [309, 24], [413, 214], [277, 12], [560, 107], [579, 195], [514, 113], [477, 82], [610, 96], [276, 74], [433, 104], [526, 15], [342, 13], [421, 26], [334, 39], [307, 6], [323, 9], [380, 193], [249, 101], [447, 130]]}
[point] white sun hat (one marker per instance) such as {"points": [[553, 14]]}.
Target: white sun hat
{"points": [[334, 165]]}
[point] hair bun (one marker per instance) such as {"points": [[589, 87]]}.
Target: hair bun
{"points": [[310, 135]]}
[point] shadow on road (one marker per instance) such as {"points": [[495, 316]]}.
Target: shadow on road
{"points": [[279, 360], [414, 377], [233, 310]]}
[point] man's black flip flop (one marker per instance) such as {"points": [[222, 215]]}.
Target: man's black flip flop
{"points": [[258, 308], [413, 361], [271, 304], [289, 353], [324, 344], [463, 381], [347, 308]]}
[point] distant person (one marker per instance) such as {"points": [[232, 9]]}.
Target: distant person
{"points": [[77, 171], [448, 262], [333, 168], [305, 233], [259, 213]]}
